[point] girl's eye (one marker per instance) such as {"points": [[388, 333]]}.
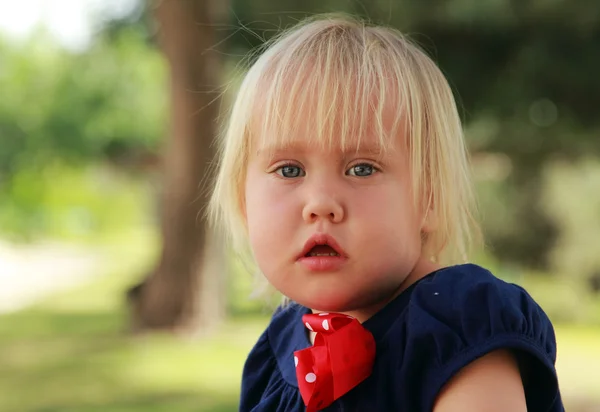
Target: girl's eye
{"points": [[361, 170], [290, 171]]}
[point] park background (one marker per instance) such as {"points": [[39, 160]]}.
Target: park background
{"points": [[115, 297]]}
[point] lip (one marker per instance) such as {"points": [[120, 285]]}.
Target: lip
{"points": [[322, 263], [322, 239]]}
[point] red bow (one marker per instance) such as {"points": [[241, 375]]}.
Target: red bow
{"points": [[340, 359]]}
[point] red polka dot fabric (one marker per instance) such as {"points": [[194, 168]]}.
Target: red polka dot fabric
{"points": [[341, 357]]}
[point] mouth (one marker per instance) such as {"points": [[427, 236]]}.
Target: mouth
{"points": [[322, 254], [321, 250], [322, 245]]}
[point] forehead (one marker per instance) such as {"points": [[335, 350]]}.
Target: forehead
{"points": [[325, 89], [346, 119]]}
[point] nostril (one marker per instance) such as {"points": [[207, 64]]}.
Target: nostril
{"points": [[323, 210]]}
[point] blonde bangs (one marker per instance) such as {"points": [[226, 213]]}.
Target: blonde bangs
{"points": [[331, 82], [327, 89]]}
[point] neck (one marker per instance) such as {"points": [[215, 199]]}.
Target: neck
{"points": [[420, 270]]}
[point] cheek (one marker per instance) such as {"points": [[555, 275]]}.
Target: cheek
{"points": [[389, 220], [268, 211], [389, 204], [266, 201]]}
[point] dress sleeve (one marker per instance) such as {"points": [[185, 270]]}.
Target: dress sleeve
{"points": [[463, 314], [258, 369]]}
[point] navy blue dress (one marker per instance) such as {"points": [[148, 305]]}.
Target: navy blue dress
{"points": [[424, 337]]}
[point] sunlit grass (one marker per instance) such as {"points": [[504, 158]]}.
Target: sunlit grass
{"points": [[85, 361], [72, 352], [578, 363]]}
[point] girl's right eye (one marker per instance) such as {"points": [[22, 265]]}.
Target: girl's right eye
{"points": [[290, 171]]}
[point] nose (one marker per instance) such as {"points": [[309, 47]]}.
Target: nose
{"points": [[323, 205]]}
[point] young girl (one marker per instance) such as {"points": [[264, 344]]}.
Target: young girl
{"points": [[344, 170]]}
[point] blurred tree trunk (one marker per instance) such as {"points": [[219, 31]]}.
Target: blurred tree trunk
{"points": [[185, 291]]}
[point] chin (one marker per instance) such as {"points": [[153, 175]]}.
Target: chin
{"points": [[328, 302]]}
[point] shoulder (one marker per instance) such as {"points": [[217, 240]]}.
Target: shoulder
{"points": [[270, 365], [473, 297], [471, 301], [264, 352], [462, 313], [258, 370]]}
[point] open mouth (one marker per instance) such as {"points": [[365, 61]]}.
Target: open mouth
{"points": [[321, 250], [322, 245], [322, 253]]}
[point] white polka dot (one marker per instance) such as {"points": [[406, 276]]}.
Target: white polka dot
{"points": [[325, 325], [436, 293], [296, 360], [323, 314], [310, 377], [308, 326]]}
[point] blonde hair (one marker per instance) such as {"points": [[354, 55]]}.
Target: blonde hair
{"points": [[344, 73]]}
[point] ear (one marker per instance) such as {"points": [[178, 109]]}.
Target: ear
{"points": [[430, 222], [430, 219]]}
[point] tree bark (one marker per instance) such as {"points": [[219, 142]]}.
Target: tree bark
{"points": [[185, 291]]}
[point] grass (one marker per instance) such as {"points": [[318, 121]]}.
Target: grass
{"points": [[70, 353], [57, 361], [578, 365]]}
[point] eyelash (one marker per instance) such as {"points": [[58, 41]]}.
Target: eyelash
{"points": [[281, 167], [303, 173]]}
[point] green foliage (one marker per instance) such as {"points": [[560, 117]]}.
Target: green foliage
{"points": [[73, 203], [79, 106], [60, 111], [566, 300], [572, 198]]}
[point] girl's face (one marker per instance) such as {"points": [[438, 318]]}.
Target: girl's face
{"points": [[335, 230]]}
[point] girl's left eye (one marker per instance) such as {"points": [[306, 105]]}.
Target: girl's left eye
{"points": [[361, 170]]}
